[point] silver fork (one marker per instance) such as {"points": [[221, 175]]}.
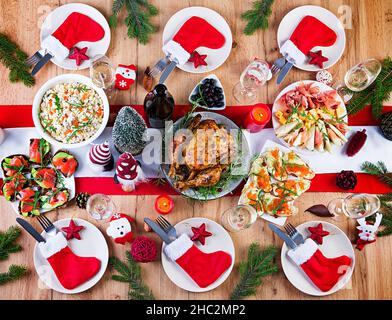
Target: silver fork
{"points": [[47, 225], [158, 67], [294, 234], [278, 64], [31, 61], [167, 227]]}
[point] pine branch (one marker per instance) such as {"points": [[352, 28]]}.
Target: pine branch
{"points": [[130, 273], [257, 17], [13, 58], [14, 272], [259, 265], [137, 20], [386, 210], [376, 94], [7, 240], [379, 169]]}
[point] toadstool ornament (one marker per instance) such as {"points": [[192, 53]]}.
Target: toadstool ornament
{"points": [[128, 172]]}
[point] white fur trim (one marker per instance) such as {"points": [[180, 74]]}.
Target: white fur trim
{"points": [[304, 252], [52, 245], [290, 51], [178, 247], [55, 47], [176, 52]]}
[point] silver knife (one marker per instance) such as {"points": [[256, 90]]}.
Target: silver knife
{"points": [[283, 73], [281, 234], [30, 229], [167, 71], [41, 63], [158, 230]]}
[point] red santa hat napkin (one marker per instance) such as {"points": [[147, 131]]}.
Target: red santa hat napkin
{"points": [[322, 271], [309, 33], [75, 28], [194, 33]]}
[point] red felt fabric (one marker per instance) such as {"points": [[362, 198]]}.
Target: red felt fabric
{"points": [[204, 268], [72, 270], [311, 33], [197, 32], [325, 272], [78, 27]]}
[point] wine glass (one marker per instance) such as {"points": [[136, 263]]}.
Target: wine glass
{"points": [[361, 76], [102, 73], [255, 75], [100, 206], [239, 217], [355, 206]]}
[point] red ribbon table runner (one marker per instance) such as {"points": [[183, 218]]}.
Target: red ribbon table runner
{"points": [[18, 116]]}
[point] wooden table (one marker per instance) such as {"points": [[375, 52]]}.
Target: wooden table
{"points": [[369, 37]]}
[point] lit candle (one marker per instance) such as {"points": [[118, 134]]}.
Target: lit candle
{"points": [[164, 204], [257, 118]]}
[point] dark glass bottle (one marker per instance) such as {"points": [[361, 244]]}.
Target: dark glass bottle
{"points": [[158, 106]]}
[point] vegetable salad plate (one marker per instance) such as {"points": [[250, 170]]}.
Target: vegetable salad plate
{"points": [[220, 240], [92, 244], [277, 177], [310, 116], [95, 49], [292, 19], [215, 58], [334, 245]]}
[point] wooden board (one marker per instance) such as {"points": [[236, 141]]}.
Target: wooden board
{"points": [[368, 37]]}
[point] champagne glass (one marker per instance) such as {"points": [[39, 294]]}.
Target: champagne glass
{"points": [[102, 73], [100, 206], [355, 206], [361, 76], [255, 75], [239, 217]]}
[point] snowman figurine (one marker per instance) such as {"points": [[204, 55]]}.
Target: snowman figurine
{"points": [[120, 228], [125, 76]]}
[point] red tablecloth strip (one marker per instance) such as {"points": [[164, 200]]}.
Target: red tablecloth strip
{"points": [[321, 183], [17, 116]]}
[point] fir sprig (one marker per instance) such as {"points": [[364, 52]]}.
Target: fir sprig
{"points": [[259, 265], [138, 18], [386, 210], [7, 242], [13, 58], [379, 169], [257, 17], [376, 94], [130, 273], [14, 272]]}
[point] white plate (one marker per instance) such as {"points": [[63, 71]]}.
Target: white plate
{"points": [[220, 240], [335, 244], [293, 18], [62, 79], [92, 244], [218, 84], [57, 17], [215, 57], [275, 106]]}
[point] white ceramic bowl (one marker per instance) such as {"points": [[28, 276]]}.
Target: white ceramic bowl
{"points": [[218, 84], [63, 79]]}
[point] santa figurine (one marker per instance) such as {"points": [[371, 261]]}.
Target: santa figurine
{"points": [[128, 172], [367, 232], [125, 76], [100, 158], [120, 228]]}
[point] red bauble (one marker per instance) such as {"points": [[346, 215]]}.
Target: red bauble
{"points": [[144, 249], [72, 231], [317, 233], [79, 55], [198, 59], [317, 58], [200, 234]]}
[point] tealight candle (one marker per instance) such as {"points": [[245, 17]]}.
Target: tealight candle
{"points": [[164, 204], [257, 118]]}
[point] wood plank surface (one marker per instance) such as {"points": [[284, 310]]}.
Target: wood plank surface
{"points": [[368, 37]]}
